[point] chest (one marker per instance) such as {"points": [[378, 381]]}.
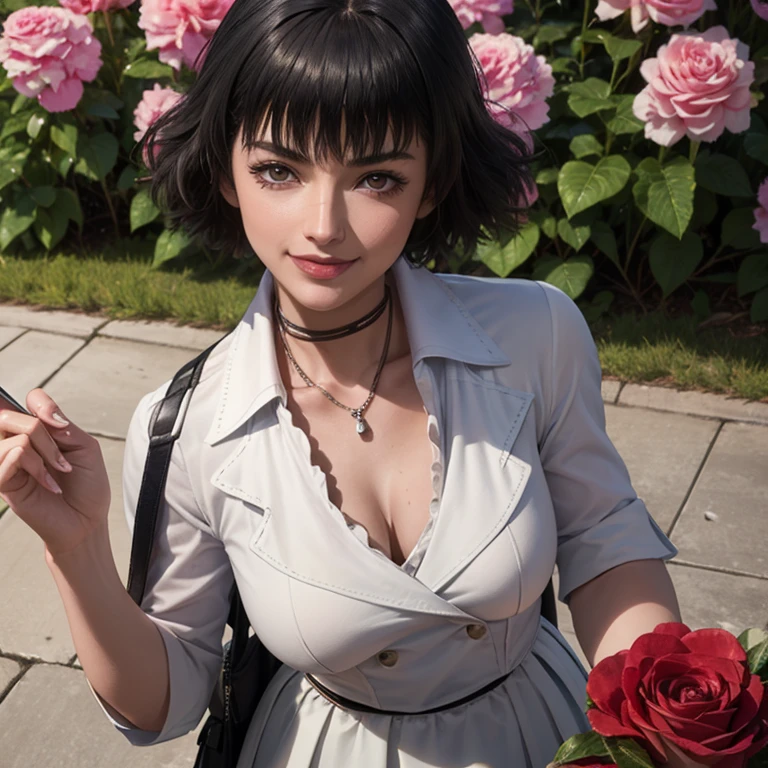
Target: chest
{"points": [[380, 480]]}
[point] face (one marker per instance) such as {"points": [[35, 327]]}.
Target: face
{"points": [[327, 232]]}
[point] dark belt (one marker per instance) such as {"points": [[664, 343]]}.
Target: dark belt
{"points": [[355, 706]]}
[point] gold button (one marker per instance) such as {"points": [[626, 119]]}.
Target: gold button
{"points": [[476, 631], [388, 658]]}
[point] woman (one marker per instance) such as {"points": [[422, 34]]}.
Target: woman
{"points": [[388, 462]]}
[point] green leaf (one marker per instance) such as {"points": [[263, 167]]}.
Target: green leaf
{"points": [[585, 145], [590, 96], [751, 637], [592, 312], [65, 137], [50, 226], [618, 48], [758, 312], [69, 204], [170, 245], [756, 146], [552, 33], [547, 176], [603, 237], [581, 185], [21, 102], [504, 257], [570, 276], [665, 194], [16, 219], [143, 210], [546, 221], [737, 229], [758, 660], [705, 208], [147, 68], [103, 110], [673, 261], [563, 65], [573, 235], [14, 124], [35, 125], [723, 175], [11, 165], [44, 196], [127, 178], [580, 746], [98, 156], [700, 305], [624, 122], [753, 273], [627, 753]]}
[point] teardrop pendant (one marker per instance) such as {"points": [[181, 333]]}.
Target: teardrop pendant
{"points": [[362, 424]]}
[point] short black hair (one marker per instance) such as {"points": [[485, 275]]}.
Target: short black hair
{"points": [[379, 65]]}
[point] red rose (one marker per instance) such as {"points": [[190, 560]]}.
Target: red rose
{"points": [[692, 689]]}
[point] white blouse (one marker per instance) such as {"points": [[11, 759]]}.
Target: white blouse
{"points": [[524, 476]]}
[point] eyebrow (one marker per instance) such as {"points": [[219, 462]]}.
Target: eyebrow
{"points": [[297, 157]]}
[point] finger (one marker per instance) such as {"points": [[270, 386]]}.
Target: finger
{"points": [[20, 462], [43, 406], [65, 434], [15, 423]]}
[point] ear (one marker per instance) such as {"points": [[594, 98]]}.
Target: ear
{"points": [[229, 193]]}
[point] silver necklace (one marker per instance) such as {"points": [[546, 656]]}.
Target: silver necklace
{"points": [[357, 413]]}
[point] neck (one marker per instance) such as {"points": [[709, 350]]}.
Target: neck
{"points": [[348, 361]]}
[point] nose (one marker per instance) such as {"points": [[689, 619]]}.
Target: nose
{"points": [[325, 219]]}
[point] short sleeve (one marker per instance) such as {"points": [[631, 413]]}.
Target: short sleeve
{"points": [[600, 521], [187, 590]]}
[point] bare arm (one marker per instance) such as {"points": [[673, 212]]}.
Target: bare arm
{"points": [[612, 610], [119, 647]]}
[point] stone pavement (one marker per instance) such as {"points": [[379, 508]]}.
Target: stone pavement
{"points": [[700, 461]]}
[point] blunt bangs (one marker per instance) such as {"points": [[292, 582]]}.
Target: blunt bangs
{"points": [[335, 78]]}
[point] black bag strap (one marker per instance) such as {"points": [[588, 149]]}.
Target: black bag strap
{"points": [[164, 429]]}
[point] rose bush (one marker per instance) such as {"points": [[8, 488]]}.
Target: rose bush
{"points": [[649, 120]]}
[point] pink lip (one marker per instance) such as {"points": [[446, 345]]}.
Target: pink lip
{"points": [[323, 269]]}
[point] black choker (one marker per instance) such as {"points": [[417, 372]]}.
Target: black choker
{"points": [[307, 334]]}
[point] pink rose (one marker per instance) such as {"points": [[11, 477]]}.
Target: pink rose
{"points": [[697, 87], [518, 81], [760, 7], [92, 6], [180, 28], [153, 104], [761, 212], [49, 53], [667, 12], [487, 12]]}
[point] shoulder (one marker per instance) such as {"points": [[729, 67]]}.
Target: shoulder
{"points": [[519, 314]]}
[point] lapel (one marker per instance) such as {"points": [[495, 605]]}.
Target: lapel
{"points": [[303, 535]]}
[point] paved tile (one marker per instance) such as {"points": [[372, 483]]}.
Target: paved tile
{"points": [[50, 719], [53, 320], [33, 622], [610, 390], [734, 487], [662, 452], [156, 332], [8, 334], [8, 670], [101, 387], [712, 599], [27, 362], [694, 403]]}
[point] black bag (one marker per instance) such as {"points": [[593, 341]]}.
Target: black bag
{"points": [[247, 666]]}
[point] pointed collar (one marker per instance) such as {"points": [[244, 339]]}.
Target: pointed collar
{"points": [[437, 322]]}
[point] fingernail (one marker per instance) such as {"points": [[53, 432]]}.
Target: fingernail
{"points": [[52, 484], [57, 416], [64, 464]]}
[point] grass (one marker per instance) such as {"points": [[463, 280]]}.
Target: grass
{"points": [[121, 284]]}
